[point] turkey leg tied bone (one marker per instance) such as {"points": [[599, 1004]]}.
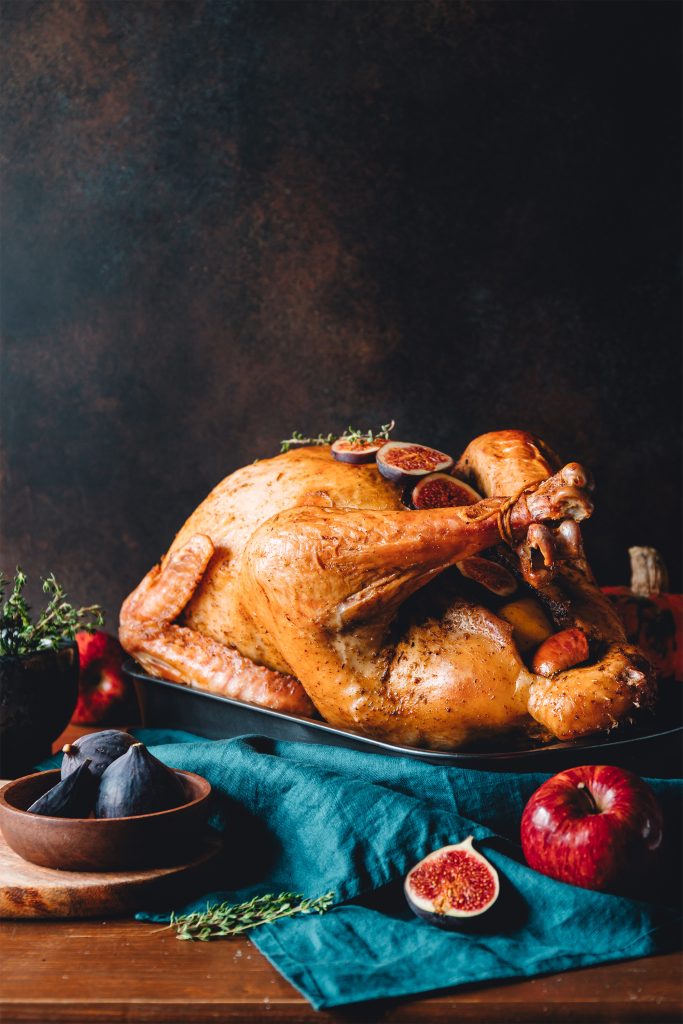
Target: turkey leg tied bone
{"points": [[579, 700], [324, 584]]}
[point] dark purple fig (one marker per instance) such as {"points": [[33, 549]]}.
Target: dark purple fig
{"points": [[441, 490], [401, 461], [138, 783], [101, 748], [452, 885], [494, 577], [73, 797], [356, 452]]}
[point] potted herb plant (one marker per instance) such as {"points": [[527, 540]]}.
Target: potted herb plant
{"points": [[38, 670]]}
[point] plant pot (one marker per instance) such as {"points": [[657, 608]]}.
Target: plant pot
{"points": [[38, 693]]}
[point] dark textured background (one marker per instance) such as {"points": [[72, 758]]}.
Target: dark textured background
{"points": [[224, 221]]}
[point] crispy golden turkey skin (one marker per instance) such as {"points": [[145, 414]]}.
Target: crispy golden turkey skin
{"points": [[302, 582]]}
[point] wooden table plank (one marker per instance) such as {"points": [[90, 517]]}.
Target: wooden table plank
{"points": [[123, 970], [126, 970]]}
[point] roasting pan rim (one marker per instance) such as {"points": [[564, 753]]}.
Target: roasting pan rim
{"points": [[345, 737]]}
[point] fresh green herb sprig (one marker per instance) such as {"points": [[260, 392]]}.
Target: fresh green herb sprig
{"points": [[57, 622], [297, 440], [350, 434], [220, 920]]}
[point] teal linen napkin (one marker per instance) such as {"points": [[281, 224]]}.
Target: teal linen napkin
{"points": [[310, 819]]}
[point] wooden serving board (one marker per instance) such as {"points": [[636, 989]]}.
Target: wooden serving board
{"points": [[30, 891]]}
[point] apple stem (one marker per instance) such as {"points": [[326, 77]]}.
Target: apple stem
{"points": [[594, 809]]}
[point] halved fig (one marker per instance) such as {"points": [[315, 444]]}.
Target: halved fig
{"points": [[356, 452], [561, 651], [441, 490], [494, 577], [401, 461], [452, 885]]}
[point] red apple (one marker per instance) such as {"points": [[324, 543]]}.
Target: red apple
{"points": [[595, 826], [104, 694]]}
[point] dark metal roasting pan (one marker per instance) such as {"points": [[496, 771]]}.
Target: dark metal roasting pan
{"points": [[651, 748]]}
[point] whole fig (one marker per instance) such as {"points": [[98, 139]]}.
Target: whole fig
{"points": [[100, 748], [138, 783], [73, 797]]}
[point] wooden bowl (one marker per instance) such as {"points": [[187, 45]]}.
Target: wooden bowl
{"points": [[102, 844]]}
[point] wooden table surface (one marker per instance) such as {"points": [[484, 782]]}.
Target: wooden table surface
{"points": [[128, 971], [124, 970]]}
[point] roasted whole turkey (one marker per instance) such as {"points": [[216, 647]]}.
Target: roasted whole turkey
{"points": [[305, 584]]}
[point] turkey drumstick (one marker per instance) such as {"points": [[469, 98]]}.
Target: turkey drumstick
{"points": [[592, 697]]}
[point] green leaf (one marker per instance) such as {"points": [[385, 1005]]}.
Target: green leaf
{"points": [[57, 623], [350, 434], [220, 920]]}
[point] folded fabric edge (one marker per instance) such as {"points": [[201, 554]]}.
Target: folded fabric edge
{"points": [[298, 974]]}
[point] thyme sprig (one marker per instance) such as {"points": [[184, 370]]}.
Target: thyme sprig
{"points": [[223, 919], [59, 621], [298, 440], [350, 434]]}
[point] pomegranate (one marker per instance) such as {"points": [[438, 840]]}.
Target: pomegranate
{"points": [[451, 885], [402, 461]]}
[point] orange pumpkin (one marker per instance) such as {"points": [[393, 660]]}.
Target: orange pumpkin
{"points": [[653, 618]]}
